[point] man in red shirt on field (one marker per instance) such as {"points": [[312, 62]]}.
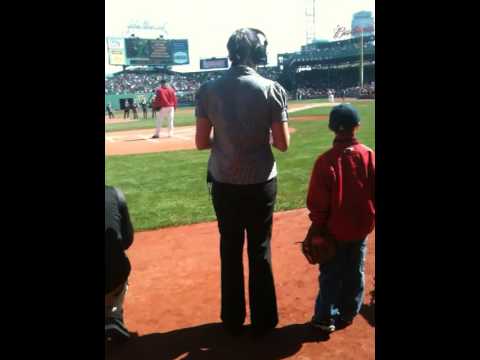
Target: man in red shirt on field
{"points": [[341, 200], [164, 104]]}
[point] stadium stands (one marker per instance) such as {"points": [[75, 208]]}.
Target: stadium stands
{"points": [[139, 81], [310, 73]]}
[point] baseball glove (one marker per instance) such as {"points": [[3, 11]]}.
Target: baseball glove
{"points": [[318, 247]]}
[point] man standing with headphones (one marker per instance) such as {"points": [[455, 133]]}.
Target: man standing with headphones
{"points": [[248, 114]]}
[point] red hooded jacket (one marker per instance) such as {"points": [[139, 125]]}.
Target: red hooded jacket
{"points": [[341, 195]]}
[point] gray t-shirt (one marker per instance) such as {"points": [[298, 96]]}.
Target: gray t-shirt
{"points": [[242, 105]]}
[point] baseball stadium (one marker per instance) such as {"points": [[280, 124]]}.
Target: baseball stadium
{"points": [[173, 300]]}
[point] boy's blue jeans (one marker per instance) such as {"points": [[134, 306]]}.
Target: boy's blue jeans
{"points": [[342, 283]]}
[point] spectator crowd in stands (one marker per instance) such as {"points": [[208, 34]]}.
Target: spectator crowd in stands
{"points": [[186, 84], [146, 82], [337, 49], [312, 92]]}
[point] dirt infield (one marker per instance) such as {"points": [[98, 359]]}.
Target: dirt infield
{"points": [[174, 300], [140, 142]]}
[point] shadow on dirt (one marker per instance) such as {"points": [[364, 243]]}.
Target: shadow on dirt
{"points": [[210, 341], [368, 311]]}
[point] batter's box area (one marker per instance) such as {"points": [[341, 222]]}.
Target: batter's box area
{"points": [[140, 141]]}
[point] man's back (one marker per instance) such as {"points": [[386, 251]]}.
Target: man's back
{"points": [[240, 98], [165, 96], [241, 107]]}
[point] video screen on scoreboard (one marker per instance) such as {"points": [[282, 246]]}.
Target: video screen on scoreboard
{"points": [[147, 51], [213, 63], [151, 52]]}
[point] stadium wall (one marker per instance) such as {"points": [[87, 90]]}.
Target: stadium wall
{"points": [[115, 99], [183, 98]]}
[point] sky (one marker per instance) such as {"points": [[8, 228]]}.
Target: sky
{"points": [[207, 24]]}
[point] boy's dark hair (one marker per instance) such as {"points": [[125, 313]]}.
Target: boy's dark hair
{"points": [[245, 45], [343, 117], [163, 82]]}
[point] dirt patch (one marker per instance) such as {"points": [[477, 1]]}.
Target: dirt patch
{"points": [[174, 299], [118, 120], [140, 142]]}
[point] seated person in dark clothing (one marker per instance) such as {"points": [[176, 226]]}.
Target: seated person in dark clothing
{"points": [[118, 238]]}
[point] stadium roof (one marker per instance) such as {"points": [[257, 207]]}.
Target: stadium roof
{"points": [[321, 41]]}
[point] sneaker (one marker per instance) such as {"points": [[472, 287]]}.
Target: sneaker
{"points": [[116, 331], [155, 137], [324, 325]]}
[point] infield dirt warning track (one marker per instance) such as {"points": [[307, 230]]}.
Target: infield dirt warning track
{"points": [[173, 301]]}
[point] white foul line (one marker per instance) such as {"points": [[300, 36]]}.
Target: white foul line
{"points": [[313, 106]]}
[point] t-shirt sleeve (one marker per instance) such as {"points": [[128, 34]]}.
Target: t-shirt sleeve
{"points": [[278, 103], [200, 102]]}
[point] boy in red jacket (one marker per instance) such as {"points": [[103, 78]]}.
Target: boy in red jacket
{"points": [[341, 200]]}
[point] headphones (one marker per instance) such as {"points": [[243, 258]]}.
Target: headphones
{"points": [[259, 50], [256, 50]]}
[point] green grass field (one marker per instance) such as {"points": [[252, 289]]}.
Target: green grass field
{"points": [[169, 188]]}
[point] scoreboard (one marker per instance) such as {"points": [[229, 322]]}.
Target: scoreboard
{"points": [[213, 63], [136, 51]]}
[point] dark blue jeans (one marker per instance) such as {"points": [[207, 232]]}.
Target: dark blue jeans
{"points": [[246, 209], [342, 283]]}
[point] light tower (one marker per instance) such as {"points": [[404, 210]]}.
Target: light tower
{"points": [[310, 21]]}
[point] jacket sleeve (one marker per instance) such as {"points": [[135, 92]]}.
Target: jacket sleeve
{"points": [[371, 170], [319, 190], [126, 223]]}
